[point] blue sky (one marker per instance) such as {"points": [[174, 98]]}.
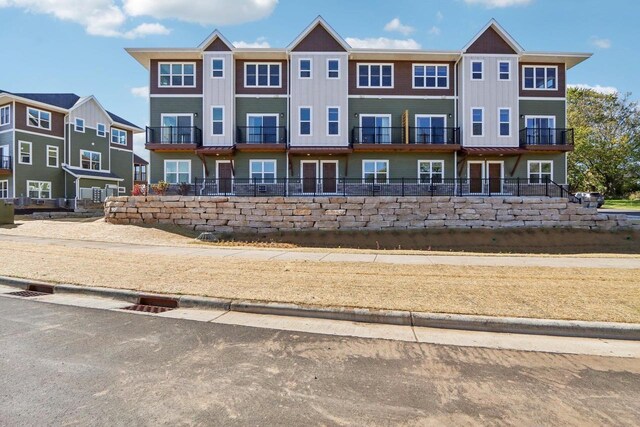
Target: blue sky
{"points": [[77, 46]]}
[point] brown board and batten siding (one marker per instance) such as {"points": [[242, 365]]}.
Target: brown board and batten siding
{"points": [[402, 80], [57, 121], [154, 84], [318, 40], [217, 46], [241, 90], [490, 42], [558, 93]]}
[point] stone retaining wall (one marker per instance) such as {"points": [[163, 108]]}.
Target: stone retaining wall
{"points": [[269, 214]]}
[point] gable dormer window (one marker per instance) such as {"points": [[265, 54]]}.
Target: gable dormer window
{"points": [[477, 70], [79, 125], [173, 74]]}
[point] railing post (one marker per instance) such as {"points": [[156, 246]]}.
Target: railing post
{"points": [[255, 187], [402, 186], [344, 187], [518, 181], [546, 186]]}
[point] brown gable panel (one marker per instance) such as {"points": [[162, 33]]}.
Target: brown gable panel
{"points": [[319, 40], [57, 121], [490, 42], [217, 46]]}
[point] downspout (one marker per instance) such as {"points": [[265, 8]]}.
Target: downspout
{"points": [[287, 141], [455, 121], [13, 149]]}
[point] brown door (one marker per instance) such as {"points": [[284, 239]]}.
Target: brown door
{"points": [[329, 174], [309, 177], [495, 177], [225, 177], [475, 177]]}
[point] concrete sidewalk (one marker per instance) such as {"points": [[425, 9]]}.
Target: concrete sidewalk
{"points": [[260, 254]]}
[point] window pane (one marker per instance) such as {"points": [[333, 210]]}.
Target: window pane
{"points": [[176, 69], [504, 115], [188, 80], [418, 70], [369, 167], [431, 71], [305, 114], [425, 167], [333, 128], [442, 71], [176, 81], [551, 78], [164, 68], [363, 75], [305, 128], [188, 68], [256, 167], [217, 114], [477, 128], [171, 167], [546, 167], [540, 78], [183, 167], [504, 129], [333, 114], [477, 115]]}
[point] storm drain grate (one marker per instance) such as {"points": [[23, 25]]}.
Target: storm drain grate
{"points": [[28, 294], [147, 308]]}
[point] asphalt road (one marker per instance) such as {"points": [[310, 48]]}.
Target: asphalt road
{"points": [[632, 214], [62, 365]]}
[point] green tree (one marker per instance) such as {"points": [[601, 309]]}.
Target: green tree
{"points": [[607, 142]]}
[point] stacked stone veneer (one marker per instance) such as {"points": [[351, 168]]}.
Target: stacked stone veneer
{"points": [[269, 214]]}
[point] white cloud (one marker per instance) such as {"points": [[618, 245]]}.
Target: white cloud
{"points": [[382, 43], [143, 30], [439, 16], [600, 42], [141, 91], [607, 90], [206, 12], [434, 31], [492, 4], [261, 42], [396, 25]]}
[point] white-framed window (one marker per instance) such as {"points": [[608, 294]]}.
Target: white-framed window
{"points": [[24, 152], [262, 74], [431, 129], [101, 130], [4, 189], [375, 75], [539, 171], [39, 189], [333, 121], [38, 118], [504, 121], [91, 160], [333, 68], [304, 68], [477, 70], [477, 121], [79, 125], [217, 121], [375, 171], [540, 77], [263, 171], [375, 128], [52, 156], [504, 70], [217, 68], [118, 136], [430, 76], [5, 115], [431, 171], [305, 121], [177, 171], [540, 130], [177, 74]]}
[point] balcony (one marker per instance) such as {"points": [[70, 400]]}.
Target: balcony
{"points": [[261, 138], [173, 138], [5, 165], [546, 139], [419, 139]]}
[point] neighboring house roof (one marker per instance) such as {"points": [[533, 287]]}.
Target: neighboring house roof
{"points": [[85, 173], [122, 121], [137, 160]]}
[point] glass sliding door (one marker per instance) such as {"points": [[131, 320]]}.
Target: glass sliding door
{"points": [[177, 129], [375, 129], [541, 130], [262, 129], [430, 130]]}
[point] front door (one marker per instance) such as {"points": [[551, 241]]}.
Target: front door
{"points": [[329, 175], [309, 177], [225, 178], [475, 177], [495, 177]]}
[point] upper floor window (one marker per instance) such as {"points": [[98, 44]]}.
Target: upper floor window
{"points": [[217, 117], [477, 122], [217, 68], [38, 118], [375, 75], [118, 136], [333, 121], [305, 69], [477, 70], [333, 68], [431, 76], [5, 115], [52, 156], [540, 77], [90, 160], [262, 75], [504, 70], [504, 122], [79, 125], [101, 130], [305, 120], [24, 151], [177, 74]]}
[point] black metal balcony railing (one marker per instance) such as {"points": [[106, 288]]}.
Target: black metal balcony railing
{"points": [[546, 136], [397, 135], [174, 135], [261, 135], [5, 162]]}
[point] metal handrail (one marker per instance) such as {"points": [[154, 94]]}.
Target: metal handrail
{"points": [[261, 135], [546, 136], [174, 135]]}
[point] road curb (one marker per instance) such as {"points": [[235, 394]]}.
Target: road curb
{"points": [[513, 325]]}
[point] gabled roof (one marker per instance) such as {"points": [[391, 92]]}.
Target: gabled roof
{"points": [[60, 100], [137, 160], [319, 21], [215, 35], [120, 120], [87, 173], [493, 25]]}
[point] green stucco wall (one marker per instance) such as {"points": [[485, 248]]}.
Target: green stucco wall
{"points": [[246, 106], [543, 108], [38, 170], [122, 166], [87, 141], [159, 106]]}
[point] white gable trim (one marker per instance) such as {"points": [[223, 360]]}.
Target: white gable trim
{"points": [[501, 32], [212, 37]]}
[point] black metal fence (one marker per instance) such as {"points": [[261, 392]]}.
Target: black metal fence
{"points": [[546, 136], [261, 135], [5, 162], [397, 135], [174, 135]]}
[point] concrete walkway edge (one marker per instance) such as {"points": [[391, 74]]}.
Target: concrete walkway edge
{"points": [[514, 325]]}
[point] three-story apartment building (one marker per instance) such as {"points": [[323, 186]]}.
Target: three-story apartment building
{"points": [[321, 116]]}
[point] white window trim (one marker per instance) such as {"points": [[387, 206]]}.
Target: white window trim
{"points": [[212, 70], [171, 85], [212, 121], [537, 116], [545, 77], [4, 183], [104, 132], [338, 61], [268, 64], [376, 161], [300, 68], [339, 132], [529, 162], [40, 191], [276, 115], [472, 122], [421, 116], [57, 151], [76, 126], [90, 161], [275, 169], [500, 122], [30, 153], [413, 76], [310, 121], [431, 172], [360, 116], [112, 135], [370, 64], [508, 71], [5, 107], [39, 119], [481, 62], [188, 162]]}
